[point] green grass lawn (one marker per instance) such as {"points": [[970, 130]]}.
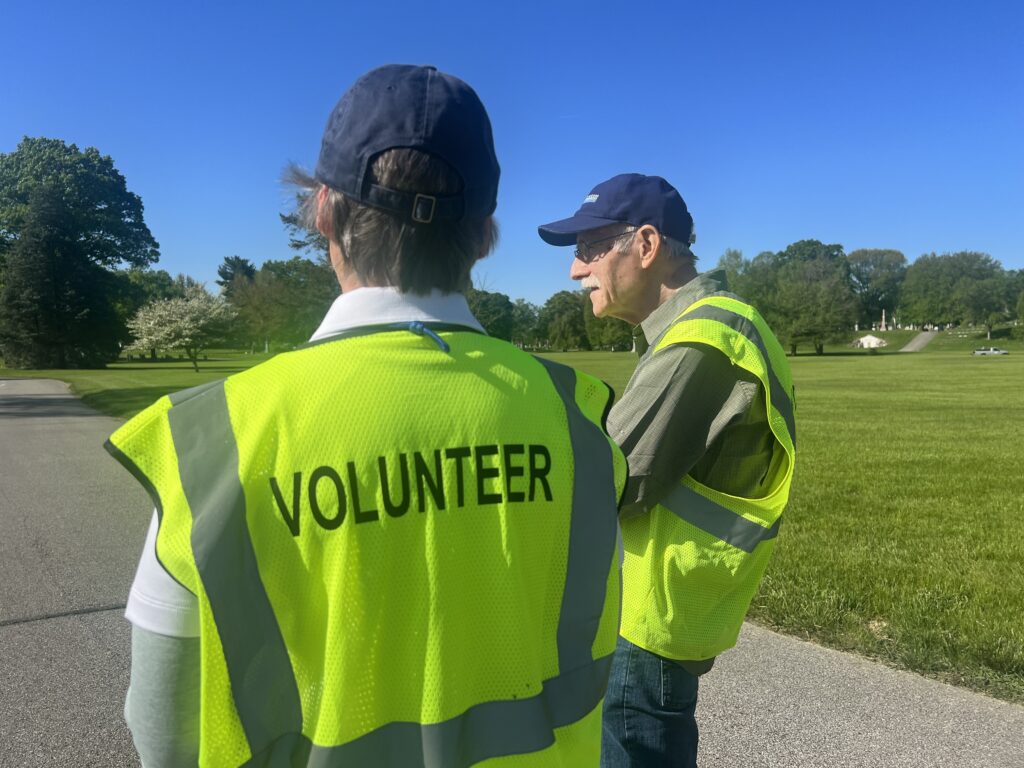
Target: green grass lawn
{"points": [[966, 339], [904, 539], [905, 534], [125, 388]]}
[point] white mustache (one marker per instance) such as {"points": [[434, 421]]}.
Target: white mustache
{"points": [[590, 282]]}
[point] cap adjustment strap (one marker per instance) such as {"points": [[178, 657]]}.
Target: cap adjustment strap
{"points": [[420, 208], [421, 213]]}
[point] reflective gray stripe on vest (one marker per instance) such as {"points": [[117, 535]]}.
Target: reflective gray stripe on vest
{"points": [[186, 394], [490, 729], [686, 504], [780, 398], [592, 527], [262, 680]]}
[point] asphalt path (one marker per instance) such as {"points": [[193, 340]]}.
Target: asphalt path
{"points": [[72, 523], [919, 342]]}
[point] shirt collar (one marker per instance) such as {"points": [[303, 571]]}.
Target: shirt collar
{"points": [[656, 323], [375, 306]]}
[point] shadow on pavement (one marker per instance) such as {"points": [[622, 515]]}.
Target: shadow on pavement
{"points": [[42, 407]]}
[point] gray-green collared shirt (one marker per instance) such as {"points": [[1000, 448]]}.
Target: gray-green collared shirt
{"points": [[689, 410]]}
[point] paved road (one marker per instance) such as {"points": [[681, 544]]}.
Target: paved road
{"points": [[778, 702], [72, 523], [71, 528], [919, 342]]}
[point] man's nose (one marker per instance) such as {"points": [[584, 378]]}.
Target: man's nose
{"points": [[578, 270]]}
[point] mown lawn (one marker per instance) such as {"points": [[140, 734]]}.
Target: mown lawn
{"points": [[965, 339], [905, 535], [904, 539]]}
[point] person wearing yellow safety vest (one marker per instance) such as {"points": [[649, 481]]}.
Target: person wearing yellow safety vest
{"points": [[707, 425], [396, 545]]}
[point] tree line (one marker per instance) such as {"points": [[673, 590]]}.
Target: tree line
{"points": [[78, 286], [812, 293]]}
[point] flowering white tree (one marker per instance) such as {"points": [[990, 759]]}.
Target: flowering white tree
{"points": [[190, 323]]}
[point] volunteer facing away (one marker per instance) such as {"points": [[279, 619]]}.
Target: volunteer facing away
{"points": [[394, 546], [707, 425]]}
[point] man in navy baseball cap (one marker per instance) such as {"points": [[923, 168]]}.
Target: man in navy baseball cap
{"points": [[625, 211], [629, 198], [705, 460]]}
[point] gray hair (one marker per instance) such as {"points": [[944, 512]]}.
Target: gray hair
{"points": [[385, 248], [676, 250]]}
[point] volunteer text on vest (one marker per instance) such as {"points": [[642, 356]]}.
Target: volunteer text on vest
{"points": [[485, 474]]}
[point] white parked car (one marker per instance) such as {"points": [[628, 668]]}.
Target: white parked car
{"points": [[990, 351]]}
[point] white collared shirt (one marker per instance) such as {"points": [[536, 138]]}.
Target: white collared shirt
{"points": [[156, 601]]}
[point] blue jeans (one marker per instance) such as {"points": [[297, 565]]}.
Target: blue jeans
{"points": [[648, 719]]}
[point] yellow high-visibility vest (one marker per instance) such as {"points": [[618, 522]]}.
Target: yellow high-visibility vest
{"points": [[404, 555], [693, 563]]}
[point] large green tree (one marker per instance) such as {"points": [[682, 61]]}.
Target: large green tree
{"points": [[135, 288], [54, 307], [877, 276], [495, 311], [524, 323], [734, 264], [805, 292], [815, 303], [106, 219], [285, 301], [755, 280], [560, 321], [984, 302], [942, 290], [231, 269], [606, 332]]}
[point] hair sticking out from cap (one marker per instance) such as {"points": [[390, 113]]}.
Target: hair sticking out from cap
{"points": [[385, 248]]}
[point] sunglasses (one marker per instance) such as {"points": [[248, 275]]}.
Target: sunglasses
{"points": [[585, 252]]}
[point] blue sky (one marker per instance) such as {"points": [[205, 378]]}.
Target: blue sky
{"points": [[874, 125]]}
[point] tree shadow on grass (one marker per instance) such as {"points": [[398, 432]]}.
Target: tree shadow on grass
{"points": [[123, 403], [179, 367]]}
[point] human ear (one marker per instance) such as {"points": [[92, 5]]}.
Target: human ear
{"points": [[650, 244]]}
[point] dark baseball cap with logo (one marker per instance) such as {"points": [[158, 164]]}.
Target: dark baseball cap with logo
{"points": [[629, 198], [415, 107]]}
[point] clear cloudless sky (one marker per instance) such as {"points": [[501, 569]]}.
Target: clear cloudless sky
{"points": [[870, 124]]}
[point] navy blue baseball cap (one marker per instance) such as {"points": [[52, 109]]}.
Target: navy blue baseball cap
{"points": [[399, 105], [629, 198]]}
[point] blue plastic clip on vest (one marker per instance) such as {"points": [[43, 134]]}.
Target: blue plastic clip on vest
{"points": [[421, 330]]}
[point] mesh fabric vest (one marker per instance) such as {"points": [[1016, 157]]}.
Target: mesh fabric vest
{"points": [[403, 555], [693, 563]]}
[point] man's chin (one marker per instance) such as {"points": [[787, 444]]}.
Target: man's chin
{"points": [[600, 308]]}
